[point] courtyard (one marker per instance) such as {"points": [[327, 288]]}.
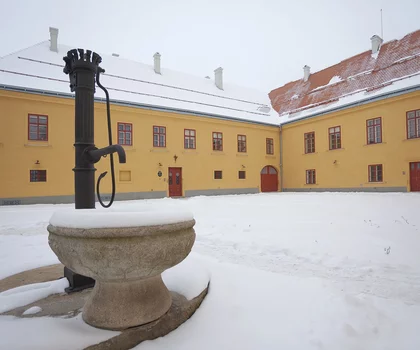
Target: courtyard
{"points": [[288, 271]]}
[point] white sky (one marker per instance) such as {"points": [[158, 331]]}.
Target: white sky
{"points": [[262, 44]]}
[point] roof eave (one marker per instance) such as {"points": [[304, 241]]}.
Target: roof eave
{"points": [[357, 103], [135, 104]]}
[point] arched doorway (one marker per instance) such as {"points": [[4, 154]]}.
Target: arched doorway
{"points": [[269, 179]]}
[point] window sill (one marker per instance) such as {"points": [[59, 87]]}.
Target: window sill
{"points": [[376, 183], [241, 154], [309, 153], [125, 182], [372, 144], [310, 184], [335, 149], [37, 145], [190, 151], [270, 156], [159, 150], [413, 138], [218, 153], [129, 148]]}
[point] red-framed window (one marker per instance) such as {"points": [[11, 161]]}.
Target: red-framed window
{"points": [[334, 135], [218, 174], [413, 124], [374, 130], [269, 146], [309, 142], [217, 141], [37, 127], [241, 175], [125, 134], [37, 175], [159, 136], [375, 173], [242, 143], [189, 139], [310, 177]]}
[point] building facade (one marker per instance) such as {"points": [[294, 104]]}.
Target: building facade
{"points": [[183, 136], [354, 126]]}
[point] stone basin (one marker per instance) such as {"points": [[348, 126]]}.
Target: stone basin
{"points": [[125, 253]]}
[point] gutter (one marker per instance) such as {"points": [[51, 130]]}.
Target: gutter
{"points": [[281, 159], [135, 105], [359, 103]]}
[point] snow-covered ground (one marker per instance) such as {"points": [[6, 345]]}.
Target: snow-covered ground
{"points": [[288, 271]]}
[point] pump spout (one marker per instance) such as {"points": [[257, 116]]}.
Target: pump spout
{"points": [[95, 154]]}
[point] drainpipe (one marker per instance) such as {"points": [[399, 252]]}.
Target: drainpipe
{"points": [[281, 158]]}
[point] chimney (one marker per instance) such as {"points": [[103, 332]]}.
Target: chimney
{"points": [[376, 41], [306, 73], [156, 57], [115, 54], [218, 77], [53, 39]]}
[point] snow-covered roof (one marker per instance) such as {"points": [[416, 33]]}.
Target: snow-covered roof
{"points": [[40, 69], [394, 69]]}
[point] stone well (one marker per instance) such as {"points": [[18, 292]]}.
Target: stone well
{"points": [[125, 253]]}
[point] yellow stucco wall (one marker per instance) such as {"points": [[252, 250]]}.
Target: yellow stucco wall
{"points": [[351, 168], [18, 155]]}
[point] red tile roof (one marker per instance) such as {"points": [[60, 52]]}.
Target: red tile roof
{"points": [[364, 72]]}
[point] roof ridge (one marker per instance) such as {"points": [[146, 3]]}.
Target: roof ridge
{"points": [[29, 47]]}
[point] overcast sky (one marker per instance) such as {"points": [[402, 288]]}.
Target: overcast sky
{"points": [[262, 44]]}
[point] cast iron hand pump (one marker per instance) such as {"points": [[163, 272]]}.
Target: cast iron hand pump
{"points": [[83, 68]]}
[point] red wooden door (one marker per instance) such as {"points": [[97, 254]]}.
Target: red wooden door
{"points": [[415, 177], [175, 182], [269, 179]]}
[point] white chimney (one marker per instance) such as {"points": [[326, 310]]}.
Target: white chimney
{"points": [[218, 77], [115, 54], [306, 73], [376, 41], [53, 39], [156, 57]]}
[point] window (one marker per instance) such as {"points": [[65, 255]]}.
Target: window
{"points": [[37, 127], [335, 137], [125, 134], [242, 143], [241, 174], [374, 130], [310, 142], [159, 136], [189, 139], [217, 174], [217, 141], [413, 124], [375, 173], [125, 175], [310, 177], [269, 146], [38, 176]]}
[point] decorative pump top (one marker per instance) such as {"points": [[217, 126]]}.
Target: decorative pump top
{"points": [[79, 59]]}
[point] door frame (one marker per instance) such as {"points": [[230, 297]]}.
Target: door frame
{"points": [[180, 179], [409, 173]]}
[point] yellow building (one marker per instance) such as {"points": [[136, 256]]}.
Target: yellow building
{"points": [[183, 135], [354, 126]]}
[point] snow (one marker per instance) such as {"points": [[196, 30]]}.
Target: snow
{"points": [[24, 295], [49, 333], [288, 271], [334, 80], [189, 278], [102, 218], [128, 81], [32, 310]]}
